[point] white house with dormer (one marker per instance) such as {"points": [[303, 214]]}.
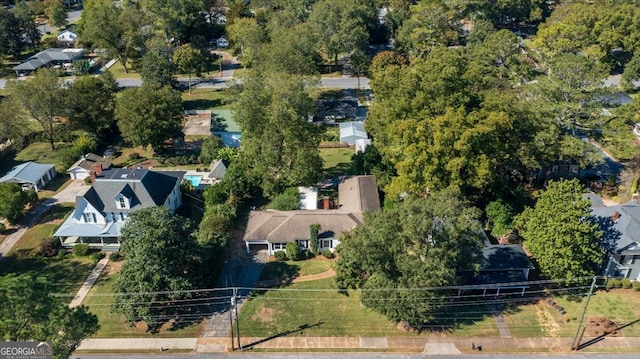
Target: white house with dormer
{"points": [[102, 211]]}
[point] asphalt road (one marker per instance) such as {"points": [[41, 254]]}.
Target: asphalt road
{"points": [[362, 356], [71, 17], [223, 82]]}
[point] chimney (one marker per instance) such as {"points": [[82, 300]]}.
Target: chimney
{"points": [[92, 175], [325, 202], [98, 169], [615, 216], [634, 197]]}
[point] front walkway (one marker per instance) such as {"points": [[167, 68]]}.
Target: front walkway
{"points": [[86, 286]]}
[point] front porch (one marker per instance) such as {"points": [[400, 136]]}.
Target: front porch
{"points": [[109, 244]]}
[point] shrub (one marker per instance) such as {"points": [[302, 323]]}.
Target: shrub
{"points": [[62, 253], [634, 185], [87, 180], [116, 257], [314, 234], [80, 250], [49, 247], [96, 256], [613, 283], [293, 251], [134, 156], [625, 283], [636, 285], [2, 227], [289, 200], [327, 253], [280, 255]]}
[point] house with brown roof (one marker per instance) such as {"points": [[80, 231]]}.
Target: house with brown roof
{"points": [[87, 163], [272, 230]]}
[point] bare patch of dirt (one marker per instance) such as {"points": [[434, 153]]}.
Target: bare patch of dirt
{"points": [[546, 320], [598, 326], [265, 315], [113, 267]]}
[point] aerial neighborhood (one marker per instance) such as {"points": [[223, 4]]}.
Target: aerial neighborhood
{"points": [[419, 176]]}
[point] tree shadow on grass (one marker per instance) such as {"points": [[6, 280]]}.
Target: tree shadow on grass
{"points": [[201, 103], [281, 271], [299, 329], [341, 169]]}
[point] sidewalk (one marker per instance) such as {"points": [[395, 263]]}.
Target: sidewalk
{"points": [[428, 345], [86, 286]]}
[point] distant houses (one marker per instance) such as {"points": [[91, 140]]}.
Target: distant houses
{"points": [[49, 58]]}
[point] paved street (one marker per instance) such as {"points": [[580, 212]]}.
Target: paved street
{"points": [[364, 356]]}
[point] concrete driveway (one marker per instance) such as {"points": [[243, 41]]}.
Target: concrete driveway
{"points": [[69, 194]]}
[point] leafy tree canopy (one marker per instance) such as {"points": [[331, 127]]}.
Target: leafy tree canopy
{"points": [[279, 144], [559, 233], [29, 312], [148, 115], [161, 256], [13, 201], [421, 242]]}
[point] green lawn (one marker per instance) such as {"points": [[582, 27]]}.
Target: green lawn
{"points": [[291, 269], [203, 99], [533, 320], [41, 152], [328, 313], [620, 305], [60, 182], [64, 275], [337, 161], [118, 71], [99, 301]]}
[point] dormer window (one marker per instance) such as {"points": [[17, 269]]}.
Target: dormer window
{"points": [[122, 201], [89, 217]]}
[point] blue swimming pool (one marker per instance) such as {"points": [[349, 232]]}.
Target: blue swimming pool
{"points": [[195, 180]]}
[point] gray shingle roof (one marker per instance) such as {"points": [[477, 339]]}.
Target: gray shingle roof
{"points": [[504, 257], [48, 56], [145, 188], [359, 194], [28, 172], [287, 226], [626, 227]]}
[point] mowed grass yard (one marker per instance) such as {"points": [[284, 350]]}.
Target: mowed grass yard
{"points": [[203, 99], [64, 275], [336, 161], [99, 301], [292, 269]]}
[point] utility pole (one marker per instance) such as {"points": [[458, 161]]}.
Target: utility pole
{"points": [[234, 303], [231, 316], [576, 344]]}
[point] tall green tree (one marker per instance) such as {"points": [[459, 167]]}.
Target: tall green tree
{"points": [[43, 99], [92, 103], [247, 37], [56, 13], [27, 21], [29, 312], [340, 26], [279, 143], [13, 124], [161, 257], [14, 199], [189, 61], [120, 29], [10, 34], [420, 243], [158, 69], [559, 233], [432, 23], [148, 115], [179, 20]]}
